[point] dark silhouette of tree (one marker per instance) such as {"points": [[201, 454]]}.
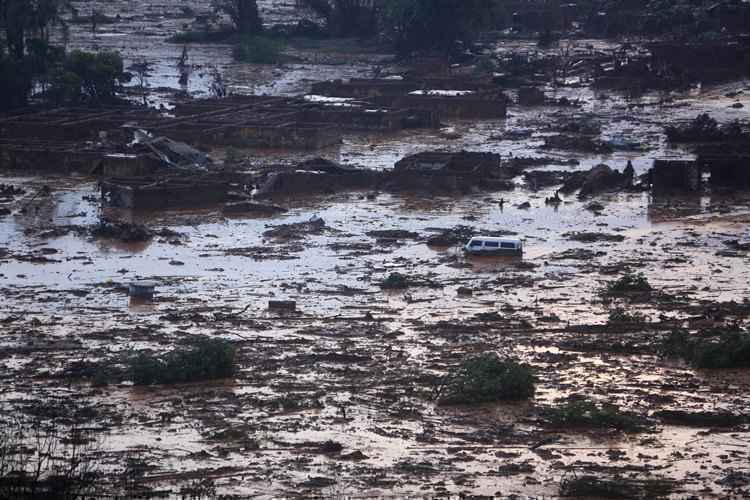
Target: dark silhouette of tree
{"points": [[244, 15], [418, 25], [347, 17]]}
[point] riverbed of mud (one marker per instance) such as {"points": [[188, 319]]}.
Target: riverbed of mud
{"points": [[337, 400]]}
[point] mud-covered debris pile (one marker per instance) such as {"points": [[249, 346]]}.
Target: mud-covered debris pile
{"points": [[297, 230], [316, 176], [398, 281], [593, 237], [436, 171], [600, 179]]}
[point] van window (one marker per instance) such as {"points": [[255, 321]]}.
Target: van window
{"points": [[491, 244], [508, 245], [476, 243]]}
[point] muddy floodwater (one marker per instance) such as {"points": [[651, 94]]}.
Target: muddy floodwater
{"points": [[337, 400]]}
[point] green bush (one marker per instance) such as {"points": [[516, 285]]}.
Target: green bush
{"points": [[65, 86], [711, 350], [101, 73], [586, 413], [206, 359], [487, 378], [395, 281], [618, 315], [258, 50], [93, 77]]}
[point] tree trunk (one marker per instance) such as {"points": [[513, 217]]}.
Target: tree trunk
{"points": [[248, 17]]}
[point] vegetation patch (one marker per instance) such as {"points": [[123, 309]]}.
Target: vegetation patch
{"points": [[259, 50], [620, 315], [588, 414], [703, 129], [710, 348], [615, 487], [206, 359], [487, 378], [395, 281], [630, 283], [201, 36]]}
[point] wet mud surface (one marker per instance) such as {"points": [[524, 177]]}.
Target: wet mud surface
{"points": [[358, 365], [337, 399]]}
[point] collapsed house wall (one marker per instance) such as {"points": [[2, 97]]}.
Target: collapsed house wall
{"points": [[454, 97], [676, 175], [60, 139], [364, 88], [153, 193], [728, 163], [58, 157], [445, 171], [707, 61], [465, 107], [733, 173], [375, 119]]}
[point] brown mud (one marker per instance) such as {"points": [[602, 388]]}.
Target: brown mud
{"points": [[337, 399]]}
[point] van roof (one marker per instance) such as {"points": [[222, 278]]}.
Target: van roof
{"points": [[495, 238]]}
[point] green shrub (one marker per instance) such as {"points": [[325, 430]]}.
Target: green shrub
{"points": [[395, 281], [619, 315], [586, 413], [711, 350], [258, 50], [87, 76], [206, 359], [487, 378], [628, 283], [615, 487]]}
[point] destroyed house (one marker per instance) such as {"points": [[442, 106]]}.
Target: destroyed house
{"points": [[144, 193], [79, 138], [444, 163], [442, 171], [454, 97], [675, 175], [708, 61], [364, 88], [728, 164], [730, 15]]}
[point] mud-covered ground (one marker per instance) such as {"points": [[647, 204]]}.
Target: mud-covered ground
{"points": [[357, 366]]}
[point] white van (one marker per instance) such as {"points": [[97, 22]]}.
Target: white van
{"points": [[489, 245]]}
